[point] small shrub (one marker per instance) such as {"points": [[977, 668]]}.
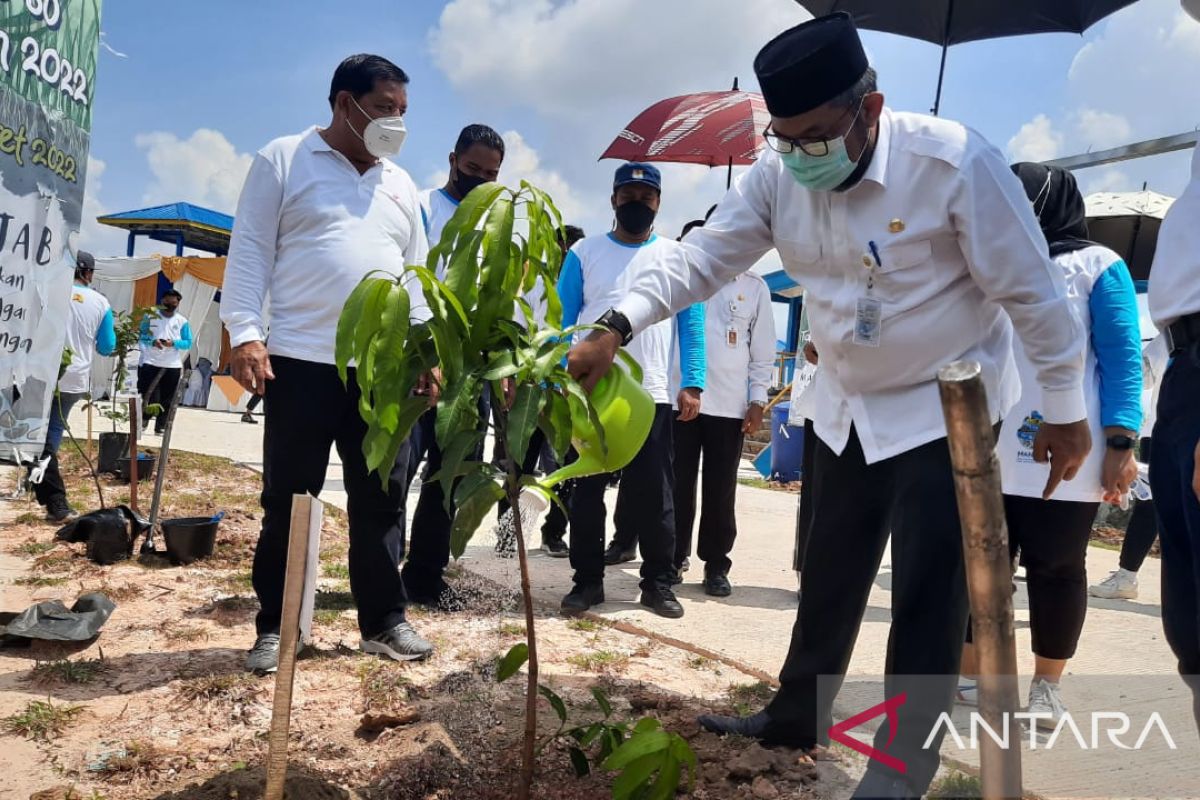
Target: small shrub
{"points": [[175, 632], [337, 570], [233, 687], [956, 786], [585, 625], [42, 720], [83, 671], [39, 581], [32, 548], [603, 661], [512, 629], [382, 686], [134, 759]]}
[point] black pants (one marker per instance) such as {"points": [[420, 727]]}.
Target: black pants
{"points": [[855, 504], [647, 491], [53, 489], [804, 503], [308, 410], [164, 392], [255, 400], [1052, 538], [719, 439], [1143, 524], [1175, 436]]}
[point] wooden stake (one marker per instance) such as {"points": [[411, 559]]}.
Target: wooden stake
{"points": [[90, 453], [306, 515], [134, 427], [972, 440]]}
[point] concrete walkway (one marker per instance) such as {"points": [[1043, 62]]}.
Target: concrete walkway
{"points": [[1123, 663]]}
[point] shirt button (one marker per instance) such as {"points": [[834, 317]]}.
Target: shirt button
{"points": [[867, 262]]}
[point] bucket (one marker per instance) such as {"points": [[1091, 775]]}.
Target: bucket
{"points": [[190, 538], [787, 446], [145, 467], [112, 447]]}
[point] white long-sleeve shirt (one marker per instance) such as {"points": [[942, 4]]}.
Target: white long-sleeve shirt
{"points": [[308, 228], [1175, 275], [959, 247], [739, 347]]}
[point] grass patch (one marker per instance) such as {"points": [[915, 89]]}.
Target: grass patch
{"points": [[585, 625], [603, 661], [382, 685], [126, 591], [757, 483], [37, 581], [956, 785], [31, 548], [235, 603], [53, 562], [133, 759], [748, 698], [512, 629], [238, 688], [175, 632], [327, 616], [336, 570], [237, 582], [333, 601], [703, 664], [83, 671], [42, 720]]}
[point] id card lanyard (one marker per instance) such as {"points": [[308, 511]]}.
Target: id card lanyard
{"points": [[868, 314]]}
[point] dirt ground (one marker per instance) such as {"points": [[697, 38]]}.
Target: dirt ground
{"points": [[158, 707]]}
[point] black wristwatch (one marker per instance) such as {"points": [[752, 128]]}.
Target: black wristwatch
{"points": [[1120, 442], [618, 323]]}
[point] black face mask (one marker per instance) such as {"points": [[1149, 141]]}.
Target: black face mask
{"points": [[464, 183], [635, 217]]}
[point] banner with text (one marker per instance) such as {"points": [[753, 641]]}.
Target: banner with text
{"points": [[47, 77]]}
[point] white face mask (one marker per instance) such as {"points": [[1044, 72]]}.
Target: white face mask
{"points": [[383, 136]]}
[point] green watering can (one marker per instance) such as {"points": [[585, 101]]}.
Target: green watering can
{"points": [[626, 410]]}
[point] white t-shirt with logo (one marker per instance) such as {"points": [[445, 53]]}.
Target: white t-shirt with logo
{"points": [[88, 310]]}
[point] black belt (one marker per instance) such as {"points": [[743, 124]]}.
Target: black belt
{"points": [[1183, 333]]}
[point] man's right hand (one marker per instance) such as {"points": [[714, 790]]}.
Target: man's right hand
{"points": [[810, 353], [1065, 447], [591, 359], [251, 367]]}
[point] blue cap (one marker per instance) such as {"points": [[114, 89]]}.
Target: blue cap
{"points": [[637, 172]]}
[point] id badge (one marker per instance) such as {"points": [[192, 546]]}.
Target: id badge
{"points": [[868, 322], [731, 337]]}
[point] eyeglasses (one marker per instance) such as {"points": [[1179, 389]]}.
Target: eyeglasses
{"points": [[813, 147]]}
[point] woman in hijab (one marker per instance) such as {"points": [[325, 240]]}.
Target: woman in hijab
{"points": [[1052, 535]]}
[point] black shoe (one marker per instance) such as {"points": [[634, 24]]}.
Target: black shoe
{"points": [[615, 554], [879, 785], [717, 585], [581, 598], [661, 600], [249, 419], [555, 547], [676, 577], [752, 727], [59, 511]]}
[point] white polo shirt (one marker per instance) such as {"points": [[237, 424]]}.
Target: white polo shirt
{"points": [[308, 228]]}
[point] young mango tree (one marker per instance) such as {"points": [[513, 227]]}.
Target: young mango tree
{"points": [[500, 248]]}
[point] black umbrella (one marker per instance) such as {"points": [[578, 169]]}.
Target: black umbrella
{"points": [[947, 22]]}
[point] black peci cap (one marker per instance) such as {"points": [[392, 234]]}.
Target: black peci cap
{"points": [[810, 64]]}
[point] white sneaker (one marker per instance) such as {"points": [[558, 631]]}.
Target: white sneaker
{"points": [[1121, 584], [1044, 699], [968, 693]]}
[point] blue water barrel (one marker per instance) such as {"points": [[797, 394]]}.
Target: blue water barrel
{"points": [[787, 446]]}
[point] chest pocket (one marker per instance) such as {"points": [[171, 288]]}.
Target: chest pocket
{"points": [[801, 256], [904, 272]]}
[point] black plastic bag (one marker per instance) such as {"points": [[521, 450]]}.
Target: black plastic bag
{"points": [[52, 620], [110, 533]]}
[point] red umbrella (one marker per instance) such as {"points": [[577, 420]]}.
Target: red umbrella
{"points": [[712, 128]]}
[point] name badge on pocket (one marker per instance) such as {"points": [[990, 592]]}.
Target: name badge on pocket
{"points": [[868, 322], [731, 337]]}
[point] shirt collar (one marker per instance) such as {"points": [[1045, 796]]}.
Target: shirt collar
{"points": [[317, 144], [612, 237], [447, 195], [877, 169]]}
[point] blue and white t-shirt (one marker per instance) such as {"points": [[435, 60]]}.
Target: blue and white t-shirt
{"points": [[598, 271], [89, 332], [437, 207], [174, 329]]}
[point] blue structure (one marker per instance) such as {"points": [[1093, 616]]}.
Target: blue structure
{"points": [[180, 224], [785, 290]]}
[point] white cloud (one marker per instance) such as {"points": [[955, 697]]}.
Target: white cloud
{"points": [[522, 162], [204, 169], [1099, 130], [1105, 179], [99, 240], [1037, 140]]}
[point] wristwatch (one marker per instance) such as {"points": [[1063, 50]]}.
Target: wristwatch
{"points": [[758, 403], [618, 323], [1120, 442]]}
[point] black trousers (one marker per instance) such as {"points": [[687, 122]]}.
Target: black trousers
{"points": [[647, 491], [1175, 436], [164, 392], [855, 504], [719, 440], [804, 503], [1052, 538], [1143, 524], [308, 410], [53, 488]]}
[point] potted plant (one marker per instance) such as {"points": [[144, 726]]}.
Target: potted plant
{"points": [[499, 246], [115, 444]]}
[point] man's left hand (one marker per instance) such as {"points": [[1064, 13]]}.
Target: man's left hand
{"points": [[1065, 446], [1117, 475], [689, 404], [752, 422]]}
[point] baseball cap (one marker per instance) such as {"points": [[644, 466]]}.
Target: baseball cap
{"points": [[637, 172], [85, 260]]}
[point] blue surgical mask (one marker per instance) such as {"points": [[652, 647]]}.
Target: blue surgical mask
{"points": [[821, 173]]}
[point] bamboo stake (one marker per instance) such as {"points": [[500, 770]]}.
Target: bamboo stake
{"points": [[134, 426], [303, 509], [90, 453], [972, 442]]}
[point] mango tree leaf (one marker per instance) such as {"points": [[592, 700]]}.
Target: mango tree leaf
{"points": [[473, 499], [512, 661], [522, 418], [602, 701], [462, 273], [579, 762], [374, 299], [636, 774], [556, 702], [640, 744], [647, 724], [667, 782], [502, 365], [682, 752], [348, 322], [635, 369]]}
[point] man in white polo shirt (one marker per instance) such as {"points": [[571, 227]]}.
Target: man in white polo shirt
{"points": [[164, 339], [320, 210]]}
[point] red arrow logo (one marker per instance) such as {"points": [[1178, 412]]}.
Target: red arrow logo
{"points": [[839, 732]]}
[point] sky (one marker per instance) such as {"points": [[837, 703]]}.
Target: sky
{"points": [[186, 93]]}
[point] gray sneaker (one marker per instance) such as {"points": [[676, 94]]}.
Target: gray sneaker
{"points": [[264, 656], [401, 643]]}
